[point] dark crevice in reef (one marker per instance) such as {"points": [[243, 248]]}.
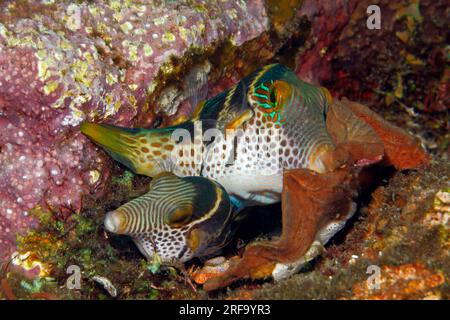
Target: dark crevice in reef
{"points": [[261, 221]]}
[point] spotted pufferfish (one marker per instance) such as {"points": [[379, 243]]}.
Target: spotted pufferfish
{"points": [[271, 125]]}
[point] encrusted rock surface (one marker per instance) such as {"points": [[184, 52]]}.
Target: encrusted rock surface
{"points": [[329, 18]]}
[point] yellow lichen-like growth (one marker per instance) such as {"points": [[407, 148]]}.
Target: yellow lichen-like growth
{"points": [[30, 261], [281, 12]]}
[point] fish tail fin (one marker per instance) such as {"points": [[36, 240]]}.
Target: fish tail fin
{"points": [[121, 143]]}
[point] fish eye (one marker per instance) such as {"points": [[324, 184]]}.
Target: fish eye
{"points": [[180, 217], [273, 96], [158, 121]]}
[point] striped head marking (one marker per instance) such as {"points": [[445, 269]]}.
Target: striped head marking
{"points": [[179, 218], [143, 151]]}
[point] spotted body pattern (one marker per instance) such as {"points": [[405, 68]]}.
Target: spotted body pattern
{"points": [[286, 130]]}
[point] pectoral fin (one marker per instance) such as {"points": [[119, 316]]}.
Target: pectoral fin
{"points": [[239, 120]]}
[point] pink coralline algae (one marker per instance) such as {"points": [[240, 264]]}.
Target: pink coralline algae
{"points": [[328, 19], [63, 62]]}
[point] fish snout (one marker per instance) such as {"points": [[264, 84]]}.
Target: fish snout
{"points": [[114, 222]]}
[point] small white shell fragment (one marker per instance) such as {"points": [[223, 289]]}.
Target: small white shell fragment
{"points": [[443, 196], [106, 284], [215, 261], [94, 175], [353, 259], [216, 265]]}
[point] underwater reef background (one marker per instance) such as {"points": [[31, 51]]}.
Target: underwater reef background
{"points": [[142, 63]]}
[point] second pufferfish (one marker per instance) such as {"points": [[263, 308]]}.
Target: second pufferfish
{"points": [[179, 218]]}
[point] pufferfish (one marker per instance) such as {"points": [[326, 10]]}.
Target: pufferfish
{"points": [[179, 218], [268, 138]]}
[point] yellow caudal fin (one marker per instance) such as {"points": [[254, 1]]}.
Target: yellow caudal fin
{"points": [[121, 143]]}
